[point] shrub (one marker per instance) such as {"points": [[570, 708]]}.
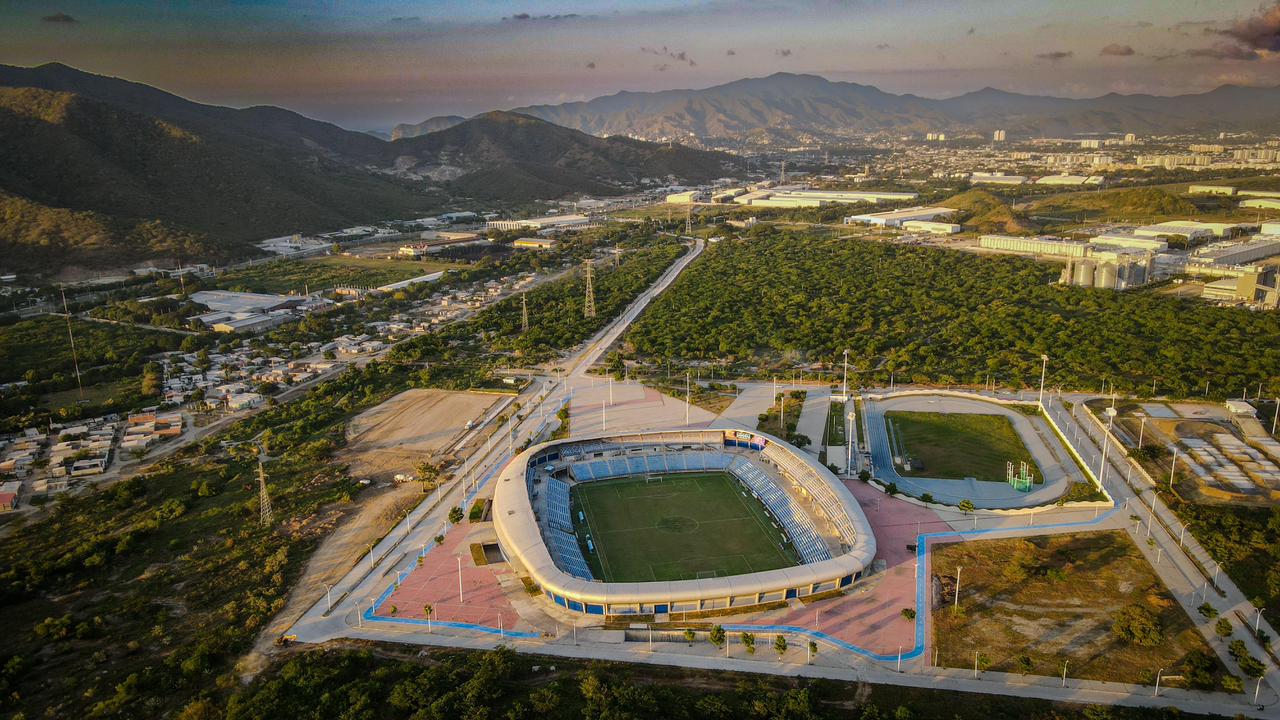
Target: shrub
{"points": [[1223, 628], [1137, 625], [1208, 611], [909, 613]]}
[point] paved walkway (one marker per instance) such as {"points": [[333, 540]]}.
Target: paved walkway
{"points": [[813, 417]]}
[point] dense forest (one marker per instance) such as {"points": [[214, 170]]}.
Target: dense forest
{"points": [[777, 300]]}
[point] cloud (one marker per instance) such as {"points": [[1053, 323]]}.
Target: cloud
{"points": [[883, 46], [591, 65], [1117, 50], [1224, 51], [677, 55], [526, 17], [972, 30], [1056, 55], [1259, 32], [661, 68], [730, 51], [784, 52], [59, 17], [406, 21]]}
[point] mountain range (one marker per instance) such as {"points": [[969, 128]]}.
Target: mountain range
{"points": [[787, 107], [432, 124], [101, 172]]}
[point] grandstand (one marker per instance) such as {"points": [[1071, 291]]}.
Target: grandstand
{"points": [[535, 520]]}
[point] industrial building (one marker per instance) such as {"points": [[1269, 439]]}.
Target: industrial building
{"points": [[1240, 253], [895, 218], [1211, 190], [996, 178], [1129, 240], [235, 302], [803, 197], [1065, 179], [534, 243], [1040, 245], [551, 223], [1192, 229], [433, 241], [687, 197], [1262, 203], [931, 227]]}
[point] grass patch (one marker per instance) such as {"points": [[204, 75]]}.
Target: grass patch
{"points": [[479, 510], [477, 555], [679, 527], [1030, 604], [958, 445]]}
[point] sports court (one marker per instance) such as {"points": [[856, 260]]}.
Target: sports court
{"points": [[676, 527]]}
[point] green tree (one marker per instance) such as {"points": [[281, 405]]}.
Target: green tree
{"points": [[780, 645], [689, 636], [455, 514], [749, 642], [717, 636], [1223, 628], [966, 506], [1137, 625]]}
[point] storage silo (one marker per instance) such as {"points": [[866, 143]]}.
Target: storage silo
{"points": [[1105, 277], [1084, 273]]}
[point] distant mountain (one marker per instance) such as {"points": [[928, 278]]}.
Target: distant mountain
{"points": [[440, 122], [101, 172], [510, 156], [786, 107]]}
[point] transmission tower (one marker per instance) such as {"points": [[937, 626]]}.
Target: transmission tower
{"points": [[264, 499], [524, 313], [688, 221], [589, 308]]}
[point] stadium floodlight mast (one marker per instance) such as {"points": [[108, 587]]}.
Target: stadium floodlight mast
{"points": [[845, 385], [1044, 367]]}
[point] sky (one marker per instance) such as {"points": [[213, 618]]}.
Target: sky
{"points": [[370, 64]]}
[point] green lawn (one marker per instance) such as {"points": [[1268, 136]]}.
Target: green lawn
{"points": [[959, 445], [323, 273], [678, 527]]}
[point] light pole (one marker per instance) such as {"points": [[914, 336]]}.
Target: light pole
{"points": [[956, 603], [1257, 622], [359, 619], [845, 384], [1064, 673], [371, 566], [1173, 467], [328, 599], [1106, 437], [1142, 425], [459, 558], [899, 658], [1044, 367], [1158, 675]]}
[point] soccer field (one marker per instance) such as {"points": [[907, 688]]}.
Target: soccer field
{"points": [[677, 527], [958, 445]]}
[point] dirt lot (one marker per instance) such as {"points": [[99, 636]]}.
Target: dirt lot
{"points": [[409, 428], [1054, 599]]}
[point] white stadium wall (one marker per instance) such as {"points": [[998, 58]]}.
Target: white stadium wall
{"points": [[521, 538]]}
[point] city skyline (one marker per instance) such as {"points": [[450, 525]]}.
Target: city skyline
{"points": [[388, 62]]}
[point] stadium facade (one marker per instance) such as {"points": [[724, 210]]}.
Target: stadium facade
{"points": [[817, 512]]}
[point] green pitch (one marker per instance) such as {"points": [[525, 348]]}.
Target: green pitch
{"points": [[958, 445], [677, 527]]}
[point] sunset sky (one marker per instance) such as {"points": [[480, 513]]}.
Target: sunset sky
{"points": [[369, 65]]}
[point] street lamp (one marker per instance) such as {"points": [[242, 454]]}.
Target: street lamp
{"points": [[1044, 367], [1158, 675], [328, 599]]}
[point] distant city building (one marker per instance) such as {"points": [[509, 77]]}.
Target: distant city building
{"points": [[1090, 144], [931, 227], [684, 198], [997, 136], [1262, 203], [1130, 138], [996, 178]]}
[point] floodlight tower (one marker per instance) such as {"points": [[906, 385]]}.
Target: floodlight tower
{"points": [[589, 307]]}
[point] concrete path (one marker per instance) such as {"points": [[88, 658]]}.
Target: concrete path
{"points": [[813, 417]]}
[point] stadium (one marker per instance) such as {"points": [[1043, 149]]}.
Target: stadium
{"points": [[678, 521]]}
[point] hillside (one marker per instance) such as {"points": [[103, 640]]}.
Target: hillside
{"points": [[433, 124], [90, 183], [101, 172], [1126, 204], [986, 213], [516, 157], [798, 107]]}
